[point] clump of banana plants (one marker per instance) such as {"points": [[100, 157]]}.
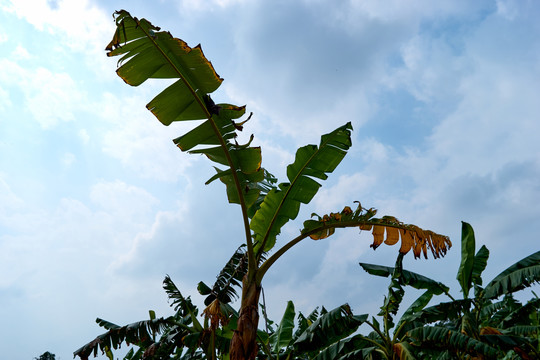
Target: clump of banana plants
{"points": [[266, 205], [492, 324]]}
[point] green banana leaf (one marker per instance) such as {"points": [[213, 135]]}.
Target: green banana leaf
{"points": [[354, 347], [410, 278], [329, 328], [147, 53], [150, 53], [464, 275], [283, 203], [404, 351], [479, 265], [139, 333], [283, 335], [517, 277], [443, 337], [406, 322], [228, 278], [445, 311]]}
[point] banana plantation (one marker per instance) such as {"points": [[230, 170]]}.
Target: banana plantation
{"points": [[488, 322]]}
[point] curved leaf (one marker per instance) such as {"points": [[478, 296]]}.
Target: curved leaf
{"points": [[519, 276], [410, 278], [355, 347], [283, 203], [445, 311], [442, 337], [405, 323], [138, 333], [412, 237], [329, 328], [150, 53], [228, 278], [180, 304], [404, 351]]}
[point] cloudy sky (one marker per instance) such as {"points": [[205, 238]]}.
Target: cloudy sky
{"points": [[97, 204]]}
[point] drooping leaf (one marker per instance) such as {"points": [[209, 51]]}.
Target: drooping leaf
{"points": [[181, 304], [410, 278], [519, 276], [442, 337], [304, 322], [404, 351], [464, 275], [354, 347], [138, 333], [228, 278], [445, 311], [412, 237], [283, 203], [523, 330], [330, 327], [405, 323], [521, 314]]}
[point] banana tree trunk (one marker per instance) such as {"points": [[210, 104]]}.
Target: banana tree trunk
{"points": [[244, 341]]}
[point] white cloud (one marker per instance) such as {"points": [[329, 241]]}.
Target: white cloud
{"points": [[83, 135], [5, 101], [20, 53], [508, 9], [207, 5], [140, 141], [68, 159], [8, 199], [121, 199], [50, 97], [79, 25], [74, 245]]}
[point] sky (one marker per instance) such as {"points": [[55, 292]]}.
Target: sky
{"points": [[97, 205]]}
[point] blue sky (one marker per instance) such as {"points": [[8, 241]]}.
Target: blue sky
{"points": [[97, 205]]}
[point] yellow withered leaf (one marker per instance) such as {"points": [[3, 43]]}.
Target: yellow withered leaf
{"points": [[378, 236], [392, 235], [406, 241], [417, 246], [412, 237], [215, 314]]}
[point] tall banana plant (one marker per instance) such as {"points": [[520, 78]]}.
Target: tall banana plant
{"points": [[145, 52]]}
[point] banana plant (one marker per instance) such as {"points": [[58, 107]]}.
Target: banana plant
{"points": [[181, 335], [390, 341], [490, 324], [324, 335], [145, 52]]}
